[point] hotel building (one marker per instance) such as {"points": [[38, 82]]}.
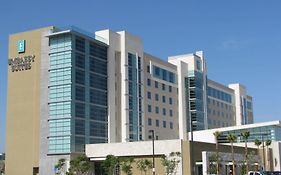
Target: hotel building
{"points": [[68, 88]]}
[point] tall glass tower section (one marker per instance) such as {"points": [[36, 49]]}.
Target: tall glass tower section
{"points": [[77, 92], [194, 86], [135, 97]]}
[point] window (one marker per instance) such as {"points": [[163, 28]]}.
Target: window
{"points": [[148, 82], [98, 97], [98, 51], [170, 100], [164, 124], [80, 44], [157, 122], [156, 71], [80, 127], [79, 77], [156, 84], [98, 66], [157, 110], [149, 121], [98, 81], [80, 60], [79, 110], [148, 69], [149, 108], [80, 93], [164, 111], [149, 95], [98, 129], [163, 87], [156, 97], [163, 74], [170, 89], [171, 113], [198, 65], [98, 113], [171, 125], [163, 99]]}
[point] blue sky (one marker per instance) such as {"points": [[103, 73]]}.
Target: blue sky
{"points": [[241, 39]]}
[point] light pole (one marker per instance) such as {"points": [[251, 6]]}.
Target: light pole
{"points": [[153, 161], [263, 154]]}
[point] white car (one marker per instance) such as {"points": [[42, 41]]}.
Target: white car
{"points": [[254, 173]]}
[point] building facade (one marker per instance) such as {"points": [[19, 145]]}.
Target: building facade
{"points": [[68, 88]]}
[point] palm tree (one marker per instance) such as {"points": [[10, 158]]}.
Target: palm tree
{"points": [[217, 135], [258, 143], [126, 165], [144, 165], [232, 138], [246, 135], [267, 144]]}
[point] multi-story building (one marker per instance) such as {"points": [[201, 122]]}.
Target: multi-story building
{"points": [[68, 88], [228, 106]]}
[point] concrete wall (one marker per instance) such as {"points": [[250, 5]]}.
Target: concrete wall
{"points": [[23, 107], [136, 150], [276, 162]]}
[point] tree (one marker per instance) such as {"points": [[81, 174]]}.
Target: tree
{"points": [[80, 165], [258, 143], [267, 144], [144, 165], [110, 164], [2, 167], [171, 162], [243, 168], [232, 138], [212, 169], [246, 135], [126, 165], [60, 167], [217, 135]]}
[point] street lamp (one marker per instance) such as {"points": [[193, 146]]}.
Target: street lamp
{"points": [[153, 161]]}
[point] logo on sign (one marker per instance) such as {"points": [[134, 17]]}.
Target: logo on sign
{"points": [[21, 46]]}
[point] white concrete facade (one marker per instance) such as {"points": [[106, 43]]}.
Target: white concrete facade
{"points": [[241, 99], [134, 149], [185, 64], [120, 44]]}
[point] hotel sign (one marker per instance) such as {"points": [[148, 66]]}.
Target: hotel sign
{"points": [[21, 46], [21, 63]]}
